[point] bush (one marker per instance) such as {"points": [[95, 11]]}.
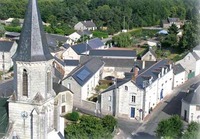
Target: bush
{"points": [[109, 122], [74, 116]]}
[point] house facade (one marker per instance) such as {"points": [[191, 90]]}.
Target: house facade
{"points": [[83, 80], [137, 95], [150, 55], [85, 25], [7, 50], [179, 75], [190, 108], [191, 64]]}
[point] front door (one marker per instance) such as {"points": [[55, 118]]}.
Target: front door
{"points": [[132, 112], [185, 115]]}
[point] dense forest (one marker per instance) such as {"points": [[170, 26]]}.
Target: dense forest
{"points": [[105, 13]]}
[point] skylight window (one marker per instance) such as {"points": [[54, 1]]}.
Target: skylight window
{"points": [[83, 74]]}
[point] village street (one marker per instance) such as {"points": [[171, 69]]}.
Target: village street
{"points": [[131, 129]]}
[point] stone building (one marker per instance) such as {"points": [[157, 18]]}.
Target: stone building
{"points": [[37, 104]]}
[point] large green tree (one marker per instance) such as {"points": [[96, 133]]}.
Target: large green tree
{"points": [[123, 40], [170, 128], [192, 132]]}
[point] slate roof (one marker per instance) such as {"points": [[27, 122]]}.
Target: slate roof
{"points": [[71, 62], [113, 53], [33, 43], [59, 88], [193, 97], [84, 72], [95, 43], [88, 23], [81, 48], [173, 19], [151, 72], [178, 69], [57, 37], [84, 32], [5, 46], [195, 55], [119, 82], [4, 115]]}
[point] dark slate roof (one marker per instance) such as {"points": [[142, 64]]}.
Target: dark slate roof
{"points": [[113, 53], [4, 115], [81, 48], [84, 32], [151, 72], [33, 43], [193, 97], [195, 55], [119, 82], [173, 19], [71, 62], [111, 62], [66, 46], [5, 46], [84, 72], [95, 43], [88, 23], [178, 69], [59, 88], [57, 37]]}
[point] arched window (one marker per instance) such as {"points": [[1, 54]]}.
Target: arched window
{"points": [[48, 82], [25, 83]]}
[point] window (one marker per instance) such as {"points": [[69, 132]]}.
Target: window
{"points": [[63, 98], [109, 98], [69, 86], [197, 108], [109, 108], [63, 109], [48, 82], [150, 57], [25, 83], [126, 88], [133, 99]]}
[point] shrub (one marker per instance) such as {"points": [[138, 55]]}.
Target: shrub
{"points": [[74, 116]]}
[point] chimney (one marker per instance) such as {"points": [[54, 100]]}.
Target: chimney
{"points": [[135, 74]]}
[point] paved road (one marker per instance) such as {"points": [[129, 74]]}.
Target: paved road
{"points": [[169, 106]]}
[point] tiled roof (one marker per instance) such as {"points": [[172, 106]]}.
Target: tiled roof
{"points": [[33, 43], [178, 69], [84, 72], [81, 48], [113, 53], [195, 55], [59, 88], [84, 32], [95, 43], [193, 97], [88, 23], [71, 62], [151, 72], [5, 46]]}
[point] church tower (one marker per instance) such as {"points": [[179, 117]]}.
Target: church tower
{"points": [[31, 108]]}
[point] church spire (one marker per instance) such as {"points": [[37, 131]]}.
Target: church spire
{"points": [[33, 43]]}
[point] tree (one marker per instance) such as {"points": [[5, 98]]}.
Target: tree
{"points": [[2, 30], [15, 23], [109, 122], [170, 128], [173, 29], [192, 131], [123, 40]]}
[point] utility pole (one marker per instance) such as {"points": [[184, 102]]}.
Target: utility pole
{"points": [[124, 24]]}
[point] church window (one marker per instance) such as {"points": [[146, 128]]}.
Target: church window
{"points": [[63, 109], [48, 82], [25, 83]]}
